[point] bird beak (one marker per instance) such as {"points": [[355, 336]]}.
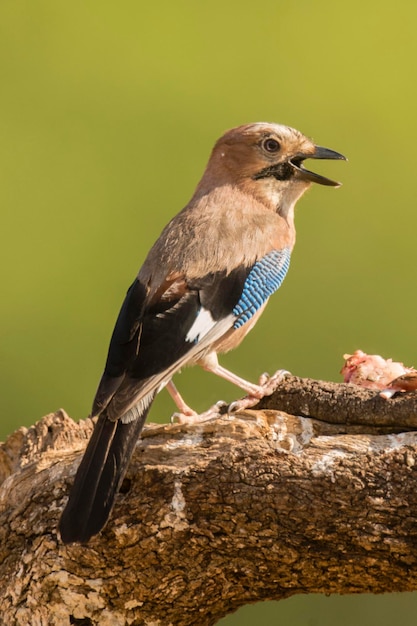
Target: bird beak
{"points": [[319, 153]]}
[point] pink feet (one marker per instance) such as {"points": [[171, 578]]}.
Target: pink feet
{"points": [[192, 417], [267, 385]]}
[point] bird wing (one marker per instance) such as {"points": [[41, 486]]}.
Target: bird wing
{"points": [[155, 335]]}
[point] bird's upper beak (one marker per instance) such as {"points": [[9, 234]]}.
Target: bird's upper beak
{"points": [[319, 153]]}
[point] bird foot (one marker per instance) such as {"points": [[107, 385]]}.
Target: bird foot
{"points": [[267, 385], [193, 417]]}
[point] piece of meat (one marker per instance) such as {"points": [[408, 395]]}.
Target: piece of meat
{"points": [[372, 371]]}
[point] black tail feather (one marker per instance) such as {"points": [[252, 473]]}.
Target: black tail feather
{"points": [[99, 477]]}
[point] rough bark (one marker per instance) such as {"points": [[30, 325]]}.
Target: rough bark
{"points": [[314, 491]]}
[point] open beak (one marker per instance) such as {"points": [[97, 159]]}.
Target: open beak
{"points": [[319, 153]]}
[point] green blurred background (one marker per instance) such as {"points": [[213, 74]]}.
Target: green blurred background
{"points": [[108, 112]]}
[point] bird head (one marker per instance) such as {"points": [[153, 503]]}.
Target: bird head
{"points": [[268, 160]]}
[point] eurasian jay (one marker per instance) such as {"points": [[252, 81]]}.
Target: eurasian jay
{"points": [[202, 287]]}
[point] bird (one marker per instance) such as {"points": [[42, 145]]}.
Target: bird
{"points": [[202, 287]]}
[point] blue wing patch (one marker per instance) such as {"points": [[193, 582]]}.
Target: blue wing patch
{"points": [[264, 278]]}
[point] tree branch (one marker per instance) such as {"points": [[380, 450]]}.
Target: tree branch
{"points": [[312, 492], [343, 404]]}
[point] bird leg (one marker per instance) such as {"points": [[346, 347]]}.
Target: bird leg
{"points": [[179, 400], [186, 415], [266, 387]]}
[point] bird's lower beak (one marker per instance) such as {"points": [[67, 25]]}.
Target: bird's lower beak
{"points": [[319, 153]]}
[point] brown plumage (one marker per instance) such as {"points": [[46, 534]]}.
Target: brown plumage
{"points": [[201, 288]]}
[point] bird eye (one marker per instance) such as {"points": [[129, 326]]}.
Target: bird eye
{"points": [[271, 145]]}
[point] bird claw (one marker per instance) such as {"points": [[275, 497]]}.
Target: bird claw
{"points": [[244, 403], [267, 386], [264, 378], [197, 418]]}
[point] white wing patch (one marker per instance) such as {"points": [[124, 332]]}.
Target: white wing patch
{"points": [[203, 324], [196, 351]]}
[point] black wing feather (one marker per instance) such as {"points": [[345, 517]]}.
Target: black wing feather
{"points": [[148, 339], [163, 336], [99, 477], [150, 336], [126, 334]]}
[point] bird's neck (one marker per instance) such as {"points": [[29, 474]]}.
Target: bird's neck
{"points": [[278, 196]]}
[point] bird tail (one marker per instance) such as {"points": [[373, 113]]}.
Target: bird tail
{"points": [[99, 477]]}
